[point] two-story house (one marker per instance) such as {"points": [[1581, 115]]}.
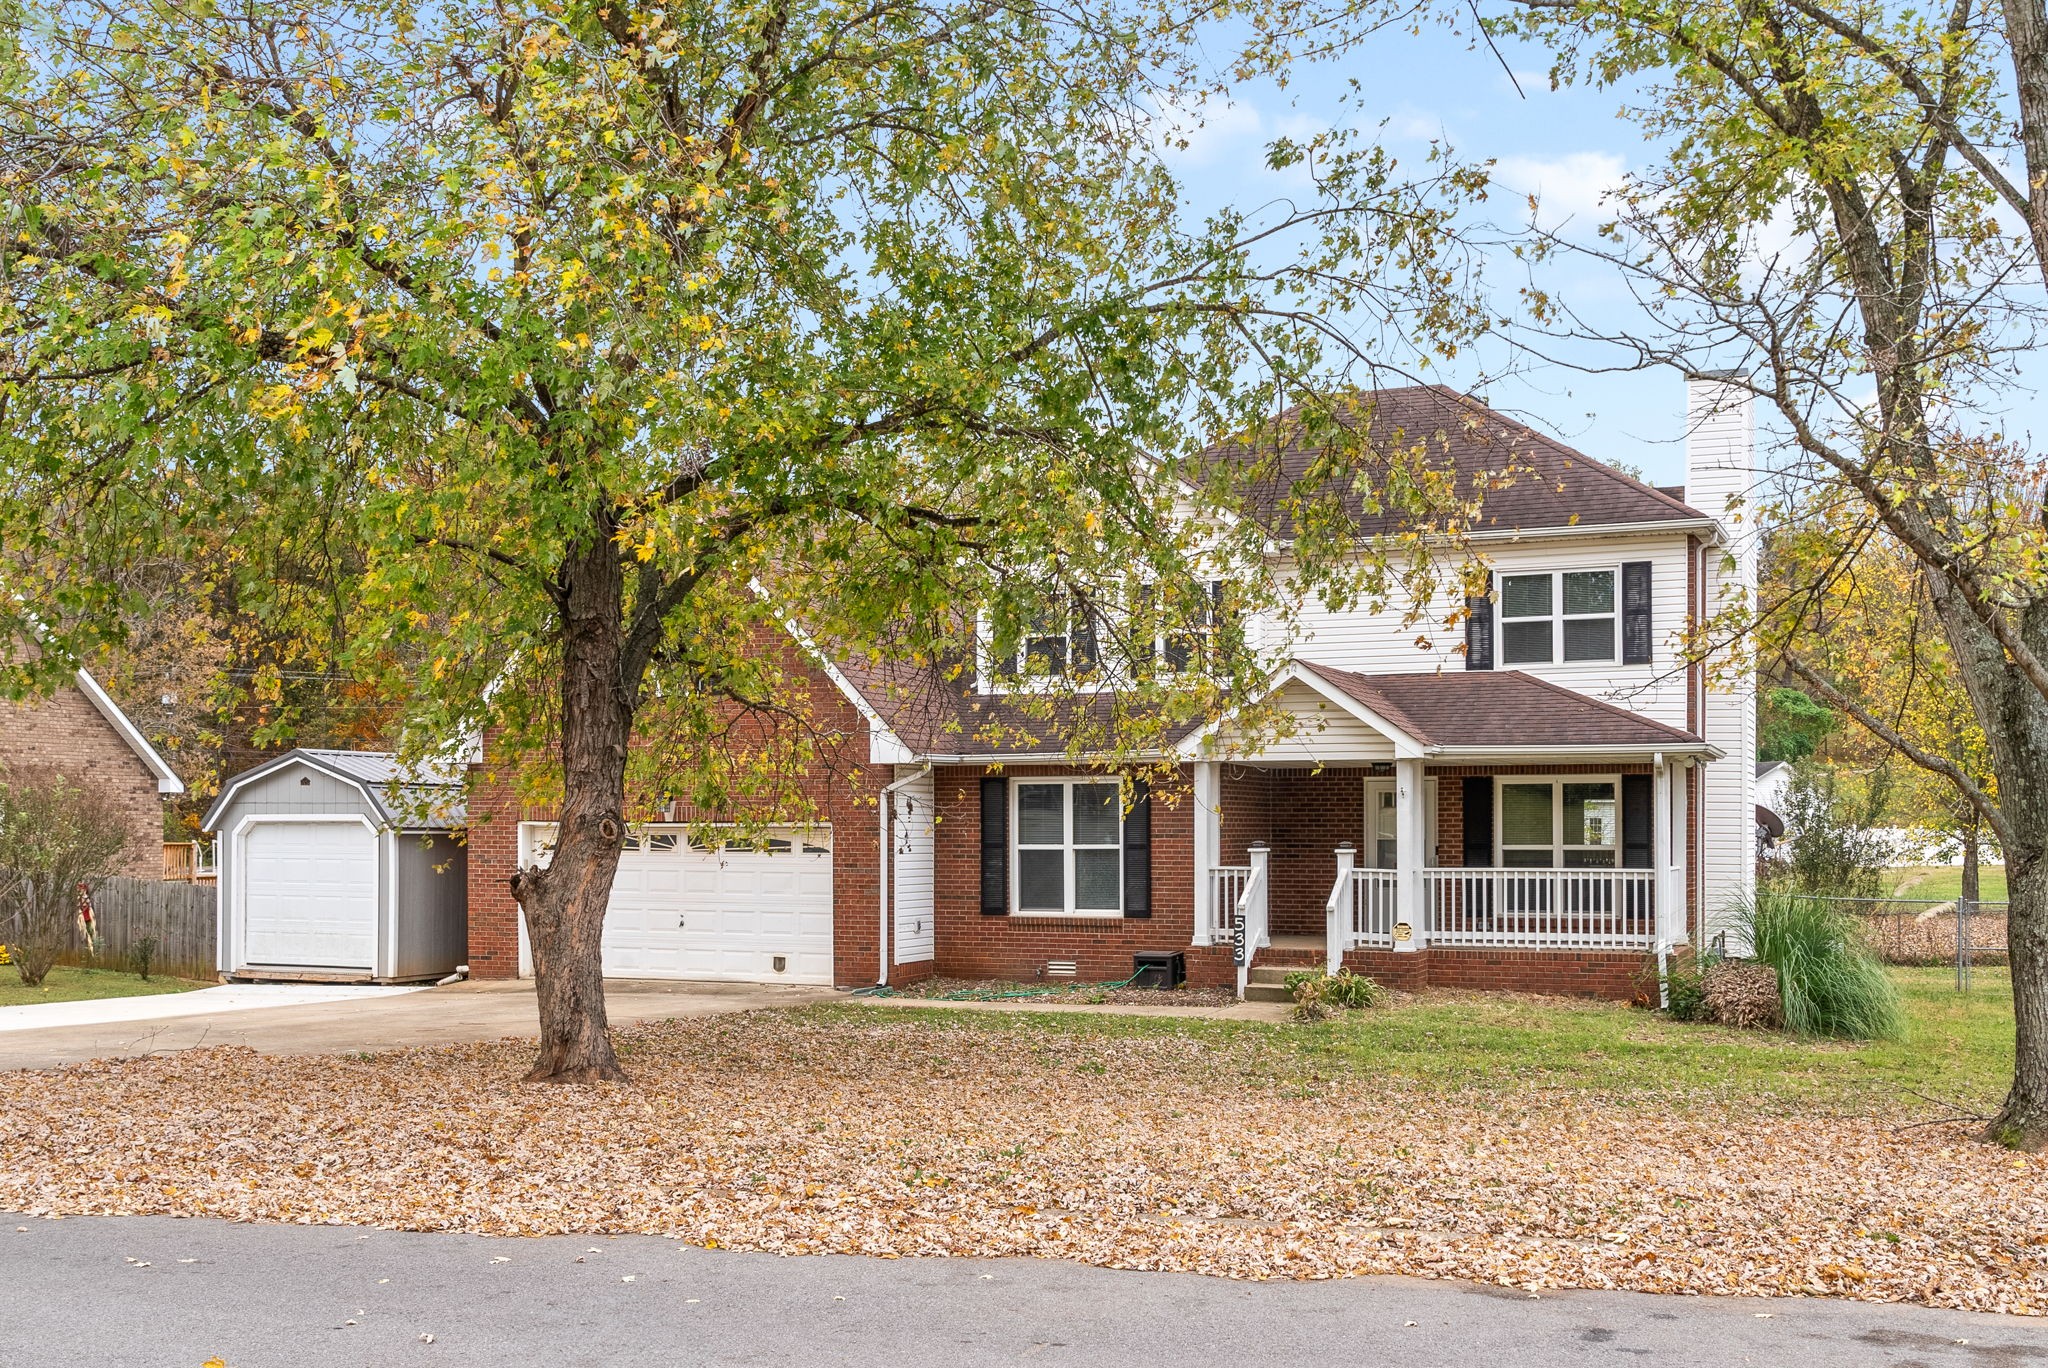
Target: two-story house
{"points": [[1547, 797]]}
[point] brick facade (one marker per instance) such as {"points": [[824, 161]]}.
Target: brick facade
{"points": [[971, 945], [65, 732], [1302, 814], [838, 784]]}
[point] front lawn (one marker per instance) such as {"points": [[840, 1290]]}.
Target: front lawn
{"points": [[1944, 883], [1526, 1143], [1960, 1047], [67, 984]]}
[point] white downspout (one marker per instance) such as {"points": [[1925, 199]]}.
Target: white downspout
{"points": [[888, 807]]}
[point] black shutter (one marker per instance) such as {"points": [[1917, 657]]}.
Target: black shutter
{"points": [[1479, 822], [995, 846], [1082, 651], [1638, 820], [1478, 632], [1636, 644], [1138, 852]]}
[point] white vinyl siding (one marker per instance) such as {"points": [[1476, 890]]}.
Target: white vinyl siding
{"points": [[1387, 643], [911, 865]]}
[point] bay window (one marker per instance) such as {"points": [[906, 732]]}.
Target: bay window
{"points": [[1067, 856]]}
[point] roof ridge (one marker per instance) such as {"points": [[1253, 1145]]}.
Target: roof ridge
{"points": [[1598, 465]]}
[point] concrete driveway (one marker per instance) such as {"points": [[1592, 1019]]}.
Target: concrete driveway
{"points": [[433, 1016]]}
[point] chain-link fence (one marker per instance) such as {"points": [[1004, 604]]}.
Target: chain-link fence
{"points": [[1930, 931]]}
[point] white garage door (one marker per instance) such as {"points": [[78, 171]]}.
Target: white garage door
{"points": [[752, 912], [309, 894]]}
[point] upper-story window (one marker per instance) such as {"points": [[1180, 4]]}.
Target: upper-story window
{"points": [[1567, 615], [1188, 646], [1055, 645]]}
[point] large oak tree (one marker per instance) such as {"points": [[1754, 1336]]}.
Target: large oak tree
{"points": [[586, 340]]}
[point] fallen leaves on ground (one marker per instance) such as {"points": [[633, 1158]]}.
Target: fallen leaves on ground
{"points": [[798, 1135]]}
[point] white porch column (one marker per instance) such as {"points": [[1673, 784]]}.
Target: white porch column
{"points": [[1681, 877], [1664, 888], [1208, 846], [1410, 824], [1337, 912]]}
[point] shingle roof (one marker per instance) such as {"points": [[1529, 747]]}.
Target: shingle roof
{"points": [[428, 798], [1476, 709], [1552, 485], [1455, 710]]}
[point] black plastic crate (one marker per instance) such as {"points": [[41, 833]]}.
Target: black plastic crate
{"points": [[1159, 969]]}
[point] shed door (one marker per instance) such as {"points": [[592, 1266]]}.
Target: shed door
{"points": [[310, 895], [727, 910]]}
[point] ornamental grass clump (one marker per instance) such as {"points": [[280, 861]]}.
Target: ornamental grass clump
{"points": [[1829, 982]]}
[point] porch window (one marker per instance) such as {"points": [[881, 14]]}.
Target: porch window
{"points": [[1559, 823], [1068, 848], [1567, 615]]}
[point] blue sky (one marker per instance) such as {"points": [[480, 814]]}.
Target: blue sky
{"points": [[1563, 145]]}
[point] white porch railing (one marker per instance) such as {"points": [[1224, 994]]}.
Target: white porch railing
{"points": [[1226, 886], [1375, 895], [1552, 909]]}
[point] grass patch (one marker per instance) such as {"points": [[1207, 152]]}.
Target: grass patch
{"points": [[1957, 1047], [67, 984], [1944, 883]]}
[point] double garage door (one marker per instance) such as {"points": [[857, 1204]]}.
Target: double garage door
{"points": [[752, 911]]}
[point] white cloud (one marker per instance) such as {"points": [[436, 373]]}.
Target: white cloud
{"points": [[1574, 188], [1229, 134]]}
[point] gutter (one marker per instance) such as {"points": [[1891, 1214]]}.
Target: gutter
{"points": [[887, 808]]}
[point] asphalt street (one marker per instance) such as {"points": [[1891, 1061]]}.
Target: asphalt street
{"points": [[161, 1293]]}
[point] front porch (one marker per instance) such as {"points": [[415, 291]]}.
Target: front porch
{"points": [[1542, 865]]}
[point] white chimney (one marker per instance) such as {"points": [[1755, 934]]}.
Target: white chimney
{"points": [[1722, 480]]}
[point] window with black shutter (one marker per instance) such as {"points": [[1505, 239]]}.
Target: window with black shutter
{"points": [[1478, 632], [1638, 821], [995, 846], [1637, 647], [1138, 852], [1478, 821]]}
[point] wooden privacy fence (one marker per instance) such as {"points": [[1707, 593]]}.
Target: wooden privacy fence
{"points": [[179, 917]]}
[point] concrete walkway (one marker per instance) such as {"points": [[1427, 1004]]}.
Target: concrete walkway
{"points": [[98, 1292], [1267, 1012], [381, 1021], [228, 997]]}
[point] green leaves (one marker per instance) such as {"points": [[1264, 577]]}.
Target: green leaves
{"points": [[890, 310]]}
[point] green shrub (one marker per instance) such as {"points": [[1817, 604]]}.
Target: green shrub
{"points": [[1317, 995], [1829, 982], [1685, 990]]}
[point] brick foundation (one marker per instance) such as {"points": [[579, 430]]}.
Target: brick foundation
{"points": [[1619, 976]]}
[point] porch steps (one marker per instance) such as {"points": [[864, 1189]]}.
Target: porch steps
{"points": [[1267, 981]]}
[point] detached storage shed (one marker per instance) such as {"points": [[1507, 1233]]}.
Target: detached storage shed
{"points": [[336, 865]]}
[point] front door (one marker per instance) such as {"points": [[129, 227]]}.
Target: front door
{"points": [[1382, 835]]}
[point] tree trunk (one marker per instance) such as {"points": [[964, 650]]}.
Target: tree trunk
{"points": [[565, 903], [2023, 1122]]}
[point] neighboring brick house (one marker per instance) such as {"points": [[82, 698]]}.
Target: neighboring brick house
{"points": [[1547, 800], [82, 733]]}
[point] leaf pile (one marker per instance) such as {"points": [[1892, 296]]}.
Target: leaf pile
{"points": [[801, 1135]]}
